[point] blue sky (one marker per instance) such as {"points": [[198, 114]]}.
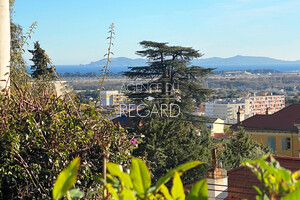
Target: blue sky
{"points": [[75, 31]]}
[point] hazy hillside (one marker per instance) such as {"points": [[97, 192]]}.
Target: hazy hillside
{"points": [[244, 60], [233, 63], [248, 62]]}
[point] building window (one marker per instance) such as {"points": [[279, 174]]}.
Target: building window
{"points": [[286, 143], [272, 143]]}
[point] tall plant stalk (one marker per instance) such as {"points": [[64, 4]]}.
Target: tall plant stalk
{"points": [[104, 71], [107, 55]]}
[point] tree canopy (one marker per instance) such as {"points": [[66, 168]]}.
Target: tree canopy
{"points": [[170, 73], [239, 148], [42, 65], [169, 79], [169, 143]]}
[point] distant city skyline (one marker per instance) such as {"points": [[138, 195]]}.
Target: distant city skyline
{"points": [[75, 31]]}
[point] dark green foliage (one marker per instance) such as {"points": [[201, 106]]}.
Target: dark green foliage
{"points": [[239, 148], [292, 100], [85, 97], [168, 66], [42, 66], [169, 143], [39, 133]]}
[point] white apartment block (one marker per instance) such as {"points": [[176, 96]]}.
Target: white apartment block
{"points": [[111, 98], [227, 109]]}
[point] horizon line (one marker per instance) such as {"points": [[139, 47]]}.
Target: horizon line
{"points": [[192, 59]]}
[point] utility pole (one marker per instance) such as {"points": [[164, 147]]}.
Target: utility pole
{"points": [[4, 44]]}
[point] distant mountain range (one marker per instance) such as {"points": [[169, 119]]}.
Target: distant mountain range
{"points": [[244, 60], [233, 63]]}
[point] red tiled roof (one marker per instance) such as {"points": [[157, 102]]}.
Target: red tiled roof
{"points": [[283, 120], [290, 163], [240, 183], [241, 179]]}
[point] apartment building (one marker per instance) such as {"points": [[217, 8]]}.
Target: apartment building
{"points": [[260, 104], [111, 98], [225, 109], [248, 106]]}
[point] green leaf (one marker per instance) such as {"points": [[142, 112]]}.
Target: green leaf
{"points": [[115, 170], [258, 190], [127, 194], [180, 169], [66, 179], [177, 188], [99, 179], [151, 189], [112, 179], [164, 190], [199, 191], [112, 191], [140, 176], [165, 178], [189, 165], [76, 193], [296, 175], [293, 195]]}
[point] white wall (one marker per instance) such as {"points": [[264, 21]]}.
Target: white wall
{"points": [[4, 43]]}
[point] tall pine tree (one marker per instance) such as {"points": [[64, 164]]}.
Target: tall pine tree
{"points": [[42, 66], [169, 142], [170, 74]]}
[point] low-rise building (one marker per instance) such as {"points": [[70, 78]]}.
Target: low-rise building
{"points": [[216, 126], [280, 131]]}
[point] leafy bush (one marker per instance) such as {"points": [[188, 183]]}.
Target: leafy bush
{"points": [[135, 185], [40, 132], [276, 181]]}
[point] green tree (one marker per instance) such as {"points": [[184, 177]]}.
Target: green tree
{"points": [[169, 143], [42, 65], [239, 148], [18, 68], [171, 75]]}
